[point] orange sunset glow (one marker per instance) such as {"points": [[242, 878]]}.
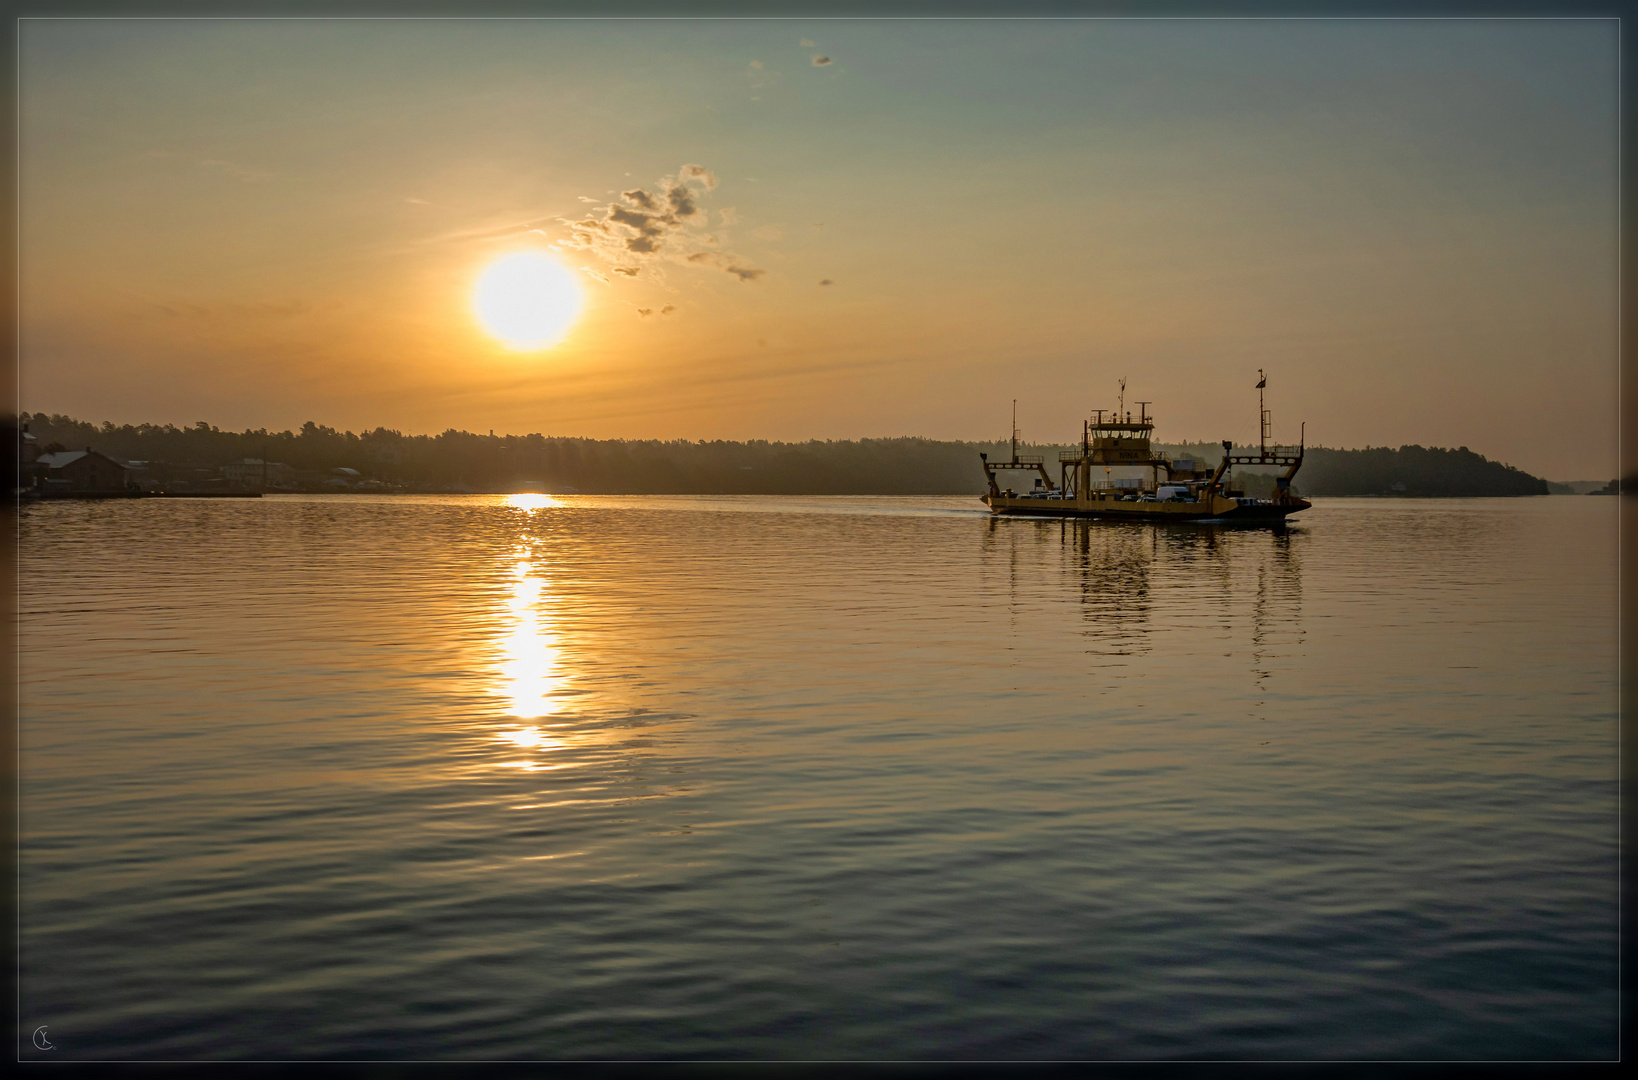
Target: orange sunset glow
{"points": [[726, 239], [1027, 536]]}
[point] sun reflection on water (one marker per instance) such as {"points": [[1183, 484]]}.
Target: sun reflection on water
{"points": [[530, 667], [531, 739], [530, 500]]}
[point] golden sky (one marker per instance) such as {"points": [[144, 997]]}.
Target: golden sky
{"points": [[895, 227]]}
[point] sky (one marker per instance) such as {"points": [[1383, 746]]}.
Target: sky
{"points": [[834, 229]]}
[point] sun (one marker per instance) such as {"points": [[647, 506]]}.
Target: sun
{"points": [[527, 300]]}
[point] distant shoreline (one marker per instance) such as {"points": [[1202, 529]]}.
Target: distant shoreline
{"points": [[203, 459]]}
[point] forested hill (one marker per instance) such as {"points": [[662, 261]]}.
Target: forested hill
{"points": [[1412, 471], [1408, 471], [460, 459], [897, 466]]}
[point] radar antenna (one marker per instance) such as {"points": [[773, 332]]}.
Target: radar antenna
{"points": [[1262, 414]]}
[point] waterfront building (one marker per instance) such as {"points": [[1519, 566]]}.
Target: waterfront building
{"points": [[28, 460], [256, 473], [81, 471]]}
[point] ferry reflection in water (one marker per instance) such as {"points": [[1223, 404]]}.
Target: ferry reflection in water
{"points": [[530, 664], [1128, 576]]}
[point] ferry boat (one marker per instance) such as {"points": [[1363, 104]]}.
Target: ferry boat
{"points": [[1180, 489]]}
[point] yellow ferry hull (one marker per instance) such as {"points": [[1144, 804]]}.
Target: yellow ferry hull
{"points": [[1216, 508]]}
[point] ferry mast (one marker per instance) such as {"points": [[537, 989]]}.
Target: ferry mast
{"points": [[1024, 463], [1267, 454]]}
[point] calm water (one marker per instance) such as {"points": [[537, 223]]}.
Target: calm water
{"points": [[478, 777]]}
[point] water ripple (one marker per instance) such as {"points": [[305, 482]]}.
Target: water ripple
{"points": [[744, 777]]}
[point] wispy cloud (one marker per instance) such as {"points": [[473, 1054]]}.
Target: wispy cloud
{"points": [[250, 174], [494, 232], [758, 76], [643, 228], [641, 222]]}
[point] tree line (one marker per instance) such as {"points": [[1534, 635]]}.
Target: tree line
{"points": [[888, 466]]}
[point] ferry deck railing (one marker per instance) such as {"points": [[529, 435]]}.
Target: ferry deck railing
{"points": [[1076, 455]]}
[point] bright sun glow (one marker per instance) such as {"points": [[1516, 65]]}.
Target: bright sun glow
{"points": [[527, 300]]}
